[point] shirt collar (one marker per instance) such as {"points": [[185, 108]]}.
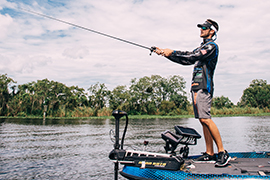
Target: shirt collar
{"points": [[206, 41]]}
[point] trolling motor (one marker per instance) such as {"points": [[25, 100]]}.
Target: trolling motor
{"points": [[142, 159], [117, 115], [118, 154]]}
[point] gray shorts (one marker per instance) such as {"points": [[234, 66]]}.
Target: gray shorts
{"points": [[202, 100]]}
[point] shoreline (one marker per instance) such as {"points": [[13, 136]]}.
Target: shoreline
{"points": [[132, 117]]}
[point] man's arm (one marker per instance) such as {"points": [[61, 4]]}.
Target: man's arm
{"points": [[176, 56], [187, 57], [163, 52]]}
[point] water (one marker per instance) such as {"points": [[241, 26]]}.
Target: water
{"points": [[78, 149]]}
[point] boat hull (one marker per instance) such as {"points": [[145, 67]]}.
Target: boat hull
{"points": [[245, 165]]}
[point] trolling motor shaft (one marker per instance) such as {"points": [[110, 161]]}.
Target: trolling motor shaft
{"points": [[117, 115]]}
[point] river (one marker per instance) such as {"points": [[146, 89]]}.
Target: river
{"points": [[78, 149]]}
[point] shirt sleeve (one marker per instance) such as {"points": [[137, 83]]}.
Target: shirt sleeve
{"points": [[190, 57]]}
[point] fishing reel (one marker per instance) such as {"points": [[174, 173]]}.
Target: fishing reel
{"points": [[152, 49]]}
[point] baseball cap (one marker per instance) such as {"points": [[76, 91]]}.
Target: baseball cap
{"points": [[209, 24]]}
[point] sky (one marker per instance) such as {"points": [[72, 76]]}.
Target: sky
{"points": [[34, 48]]}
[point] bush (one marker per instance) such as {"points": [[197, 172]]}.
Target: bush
{"points": [[104, 112], [167, 108], [82, 112], [22, 114]]}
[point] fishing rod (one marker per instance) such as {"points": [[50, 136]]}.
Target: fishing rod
{"points": [[91, 30]]}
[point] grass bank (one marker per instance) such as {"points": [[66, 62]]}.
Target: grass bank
{"points": [[105, 113], [135, 116]]}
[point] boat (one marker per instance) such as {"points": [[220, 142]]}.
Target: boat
{"points": [[171, 165]]}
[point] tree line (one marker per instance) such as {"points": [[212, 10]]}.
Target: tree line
{"points": [[154, 95]]}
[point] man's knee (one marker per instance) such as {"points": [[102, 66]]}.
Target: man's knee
{"points": [[206, 122]]}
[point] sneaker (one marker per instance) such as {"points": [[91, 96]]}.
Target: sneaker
{"points": [[206, 158], [223, 159]]}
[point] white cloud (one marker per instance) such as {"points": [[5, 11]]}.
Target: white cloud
{"points": [[76, 52], [5, 22], [22, 64], [33, 47]]}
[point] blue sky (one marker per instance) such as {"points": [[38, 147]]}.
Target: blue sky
{"points": [[34, 48]]}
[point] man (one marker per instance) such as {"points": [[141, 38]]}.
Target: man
{"points": [[204, 59]]}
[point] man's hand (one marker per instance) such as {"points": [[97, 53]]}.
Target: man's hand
{"points": [[163, 52]]}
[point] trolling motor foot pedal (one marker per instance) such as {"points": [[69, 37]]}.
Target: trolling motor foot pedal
{"points": [[184, 135]]}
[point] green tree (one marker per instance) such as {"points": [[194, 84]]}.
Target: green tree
{"points": [[73, 97], [99, 96], [221, 102], [140, 91], [256, 95], [5, 95], [31, 98], [167, 108], [119, 98], [148, 93], [176, 90]]}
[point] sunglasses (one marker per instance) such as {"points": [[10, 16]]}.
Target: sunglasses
{"points": [[204, 28]]}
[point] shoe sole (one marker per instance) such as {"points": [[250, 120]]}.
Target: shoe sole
{"points": [[207, 162], [222, 165]]}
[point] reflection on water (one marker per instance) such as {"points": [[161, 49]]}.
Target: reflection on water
{"points": [[78, 149]]}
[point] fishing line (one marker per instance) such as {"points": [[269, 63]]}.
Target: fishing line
{"points": [[87, 29]]}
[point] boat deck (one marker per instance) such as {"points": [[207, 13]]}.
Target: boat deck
{"points": [[237, 166]]}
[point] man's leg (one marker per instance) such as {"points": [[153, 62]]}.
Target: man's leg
{"points": [[211, 133], [209, 154], [208, 140], [202, 105]]}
